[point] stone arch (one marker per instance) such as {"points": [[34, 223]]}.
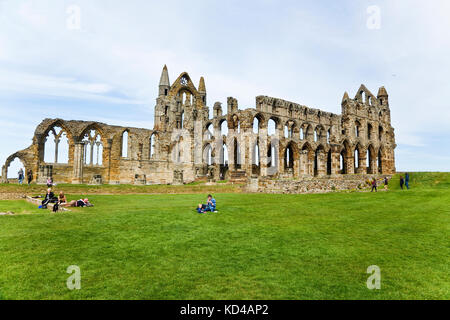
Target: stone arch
{"points": [[152, 148], [346, 158], [272, 125], [302, 133], [257, 123], [93, 145], [56, 150], [309, 132], [371, 160], [125, 143], [10, 160], [207, 133], [236, 154], [223, 125], [289, 129], [208, 155], [319, 130], [289, 156], [359, 157], [44, 128]]}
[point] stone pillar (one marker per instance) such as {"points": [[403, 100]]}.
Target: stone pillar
{"points": [[310, 163], [350, 165], [335, 160], [78, 163], [362, 161], [373, 165], [263, 151], [303, 162], [281, 160], [108, 157], [321, 163], [91, 160], [56, 149], [4, 175]]}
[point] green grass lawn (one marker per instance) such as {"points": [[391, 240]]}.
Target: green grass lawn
{"points": [[258, 247]]}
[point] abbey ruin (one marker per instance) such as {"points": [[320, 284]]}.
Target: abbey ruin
{"points": [[276, 140]]}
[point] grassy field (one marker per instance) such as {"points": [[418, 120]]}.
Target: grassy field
{"points": [[258, 247]]}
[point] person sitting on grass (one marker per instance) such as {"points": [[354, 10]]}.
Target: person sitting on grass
{"points": [[210, 205], [62, 198], [78, 203], [49, 198]]}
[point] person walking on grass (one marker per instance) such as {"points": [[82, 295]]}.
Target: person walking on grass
{"points": [[402, 182], [386, 182], [21, 176], [374, 185], [30, 176], [407, 181]]}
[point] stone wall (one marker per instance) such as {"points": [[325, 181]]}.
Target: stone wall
{"points": [[186, 144], [311, 185]]}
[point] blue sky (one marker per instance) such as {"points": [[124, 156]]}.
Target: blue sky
{"points": [[309, 52]]}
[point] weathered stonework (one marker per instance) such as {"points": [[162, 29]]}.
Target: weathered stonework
{"points": [[186, 144], [310, 185]]}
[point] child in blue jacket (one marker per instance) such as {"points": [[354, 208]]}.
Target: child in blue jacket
{"points": [[210, 205]]}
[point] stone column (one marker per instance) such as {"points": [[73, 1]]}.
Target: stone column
{"points": [[335, 160], [362, 162], [263, 151], [56, 149], [303, 162], [374, 165], [91, 160], [281, 160], [78, 163], [4, 175], [350, 165], [310, 163], [321, 163]]}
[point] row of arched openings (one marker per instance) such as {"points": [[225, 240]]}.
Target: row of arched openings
{"points": [[289, 130], [126, 145], [56, 147], [369, 131]]}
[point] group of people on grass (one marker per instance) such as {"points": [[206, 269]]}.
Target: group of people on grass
{"points": [[375, 184], [403, 182], [61, 201], [21, 176]]}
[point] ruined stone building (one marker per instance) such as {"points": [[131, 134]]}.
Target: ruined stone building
{"points": [[277, 139]]}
